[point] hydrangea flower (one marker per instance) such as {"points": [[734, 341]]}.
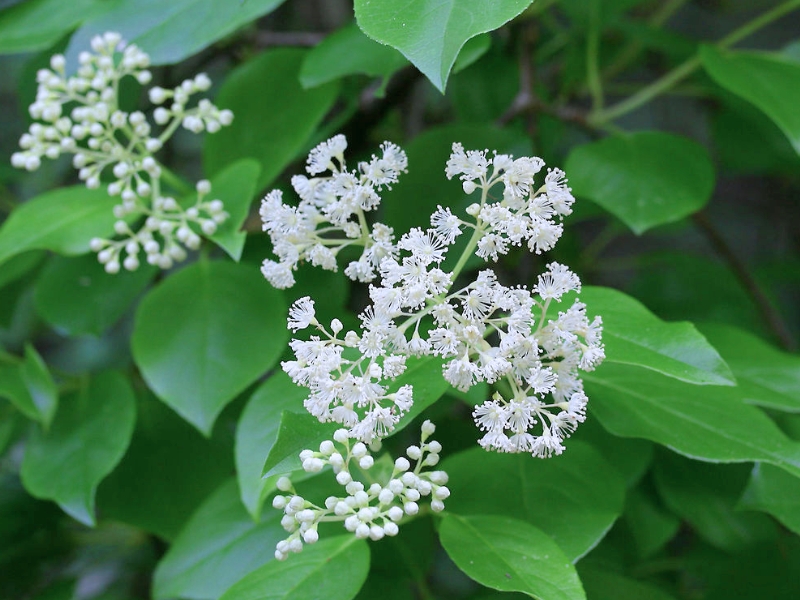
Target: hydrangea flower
{"points": [[484, 331], [81, 115]]}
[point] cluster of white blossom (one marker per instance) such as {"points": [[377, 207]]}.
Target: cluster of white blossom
{"points": [[80, 115], [372, 511], [330, 215], [483, 330]]}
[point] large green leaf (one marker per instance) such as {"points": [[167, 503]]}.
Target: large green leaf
{"points": [[63, 220], [170, 31], [257, 433], [647, 522], [205, 334], [297, 431], [767, 376], [574, 498], [274, 115], [768, 80], [38, 24], [87, 439], [634, 336], [348, 51], [333, 569], [775, 492], [236, 187], [510, 555], [168, 471], [645, 179], [708, 423], [218, 546], [430, 33], [706, 495], [77, 296]]}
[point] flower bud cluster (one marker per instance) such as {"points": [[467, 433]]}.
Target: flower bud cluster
{"points": [[331, 212], [80, 115], [368, 511], [484, 331]]}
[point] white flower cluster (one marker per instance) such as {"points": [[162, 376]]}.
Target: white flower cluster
{"points": [[372, 511], [483, 330], [80, 115], [330, 215]]}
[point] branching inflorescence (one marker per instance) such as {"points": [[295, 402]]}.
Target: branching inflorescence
{"points": [[484, 331], [81, 115]]}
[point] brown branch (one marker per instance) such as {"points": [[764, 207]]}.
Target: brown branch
{"points": [[304, 39], [751, 286]]}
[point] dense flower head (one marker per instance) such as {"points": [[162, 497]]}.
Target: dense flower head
{"points": [[80, 115], [373, 510], [331, 214], [482, 330]]}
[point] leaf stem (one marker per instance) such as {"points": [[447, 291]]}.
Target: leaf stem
{"points": [[659, 86], [593, 59]]}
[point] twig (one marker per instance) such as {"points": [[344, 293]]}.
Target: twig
{"points": [[305, 39], [751, 286]]}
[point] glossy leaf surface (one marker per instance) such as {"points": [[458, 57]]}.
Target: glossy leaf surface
{"points": [[645, 179]]}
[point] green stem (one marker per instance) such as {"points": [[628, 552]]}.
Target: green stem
{"points": [[688, 67], [176, 182], [473, 241], [593, 59]]}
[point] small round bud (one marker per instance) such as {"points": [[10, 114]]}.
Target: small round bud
{"points": [[284, 484], [402, 464], [112, 267], [376, 532], [311, 536], [203, 186], [469, 187], [343, 477], [413, 452], [362, 531], [279, 502], [391, 529], [326, 447], [437, 505], [131, 263], [411, 508], [359, 450], [366, 462], [340, 435]]}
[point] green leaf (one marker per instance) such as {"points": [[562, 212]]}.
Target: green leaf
{"points": [[77, 296], [707, 423], [168, 471], [634, 336], [87, 439], [348, 51], [38, 24], [206, 333], [425, 375], [20, 265], [768, 80], [333, 569], [42, 394], [472, 50], [706, 495], [63, 220], [645, 179], [601, 584], [510, 555], [236, 187], [170, 32], [774, 491], [257, 433], [647, 522], [574, 498], [218, 546], [767, 376], [431, 33], [274, 115], [297, 432]]}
